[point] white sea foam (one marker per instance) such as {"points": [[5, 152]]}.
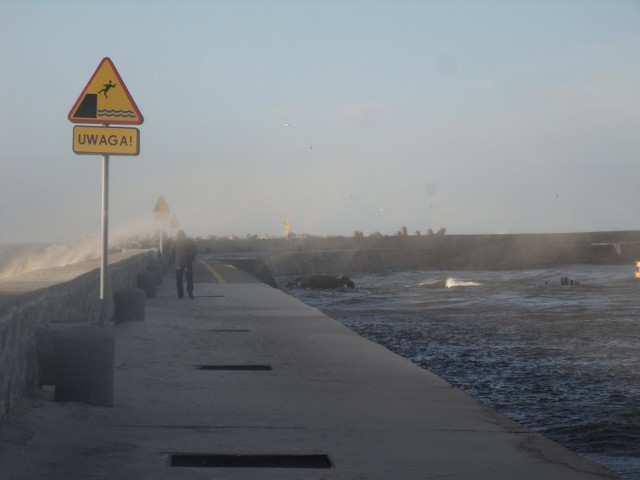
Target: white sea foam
{"points": [[30, 257], [449, 283], [56, 255], [454, 282]]}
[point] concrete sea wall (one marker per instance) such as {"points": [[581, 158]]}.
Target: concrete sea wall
{"points": [[28, 307]]}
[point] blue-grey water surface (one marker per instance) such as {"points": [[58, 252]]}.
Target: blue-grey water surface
{"points": [[562, 360]]}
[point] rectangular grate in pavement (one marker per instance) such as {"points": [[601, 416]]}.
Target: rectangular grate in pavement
{"points": [[205, 460], [234, 367], [230, 330]]}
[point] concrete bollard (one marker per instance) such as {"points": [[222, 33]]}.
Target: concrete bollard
{"points": [[147, 282], [164, 264], [84, 362], [46, 358], [45, 351], [158, 269], [129, 304]]}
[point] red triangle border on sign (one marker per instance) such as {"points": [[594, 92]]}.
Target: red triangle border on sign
{"points": [[74, 119]]}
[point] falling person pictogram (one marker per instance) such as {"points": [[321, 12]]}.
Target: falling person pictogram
{"points": [[107, 87]]}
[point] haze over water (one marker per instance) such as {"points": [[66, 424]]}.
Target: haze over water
{"points": [[483, 116]]}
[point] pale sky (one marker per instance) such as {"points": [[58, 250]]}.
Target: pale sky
{"points": [[476, 116]]}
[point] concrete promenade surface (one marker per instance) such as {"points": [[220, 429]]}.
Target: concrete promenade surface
{"points": [[246, 382]]}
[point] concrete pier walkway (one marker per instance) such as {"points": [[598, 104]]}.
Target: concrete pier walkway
{"points": [[246, 382]]}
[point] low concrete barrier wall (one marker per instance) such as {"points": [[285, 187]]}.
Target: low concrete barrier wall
{"points": [[23, 314]]}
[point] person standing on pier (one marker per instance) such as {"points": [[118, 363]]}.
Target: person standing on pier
{"points": [[183, 252]]}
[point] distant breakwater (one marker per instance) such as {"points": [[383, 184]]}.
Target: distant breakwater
{"points": [[302, 256]]}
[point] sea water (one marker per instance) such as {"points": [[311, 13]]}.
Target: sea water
{"points": [[563, 360]]}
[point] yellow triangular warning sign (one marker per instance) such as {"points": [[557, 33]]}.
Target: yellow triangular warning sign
{"points": [[105, 99], [161, 211]]}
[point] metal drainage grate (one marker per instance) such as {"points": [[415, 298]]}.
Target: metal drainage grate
{"points": [[230, 330], [234, 367], [249, 461]]}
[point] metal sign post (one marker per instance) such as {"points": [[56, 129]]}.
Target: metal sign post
{"points": [[106, 100], [161, 212], [105, 239]]}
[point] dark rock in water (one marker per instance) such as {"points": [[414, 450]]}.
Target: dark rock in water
{"points": [[322, 282]]}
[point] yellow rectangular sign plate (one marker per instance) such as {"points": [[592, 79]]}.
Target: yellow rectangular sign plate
{"points": [[106, 140]]}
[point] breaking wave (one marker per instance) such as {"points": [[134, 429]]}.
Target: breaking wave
{"points": [[20, 259], [449, 283], [51, 256]]}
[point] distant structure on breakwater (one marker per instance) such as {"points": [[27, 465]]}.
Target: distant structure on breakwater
{"points": [[295, 256]]}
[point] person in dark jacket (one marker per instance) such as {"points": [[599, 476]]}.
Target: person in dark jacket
{"points": [[183, 252]]}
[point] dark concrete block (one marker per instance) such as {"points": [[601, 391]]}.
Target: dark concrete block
{"points": [[84, 363], [158, 270], [147, 282], [129, 304]]}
